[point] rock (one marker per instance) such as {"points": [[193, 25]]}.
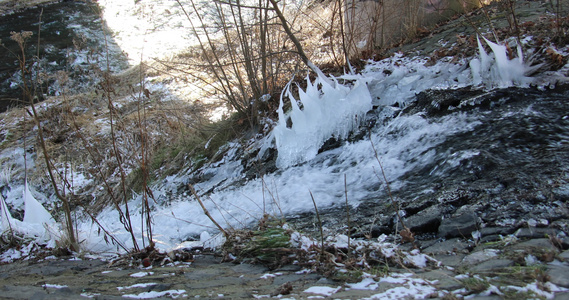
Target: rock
{"points": [[492, 264], [558, 275], [535, 245], [250, 268], [461, 226], [490, 238], [449, 246], [561, 192], [535, 233], [425, 221], [280, 280], [378, 230], [564, 255], [443, 279], [450, 260], [480, 256], [564, 243], [436, 103], [289, 268], [486, 231]]}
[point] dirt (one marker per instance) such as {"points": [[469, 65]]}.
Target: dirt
{"points": [[463, 267], [206, 277]]}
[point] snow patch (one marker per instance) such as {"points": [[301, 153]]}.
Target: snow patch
{"points": [[412, 288], [141, 274], [54, 286], [153, 294], [322, 290]]}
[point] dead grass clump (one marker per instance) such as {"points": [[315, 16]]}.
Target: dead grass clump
{"points": [[268, 245]]}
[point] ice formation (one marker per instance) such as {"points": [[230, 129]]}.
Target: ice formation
{"points": [[329, 110], [34, 212], [497, 70], [37, 223], [5, 216]]}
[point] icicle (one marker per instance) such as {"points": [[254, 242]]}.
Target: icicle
{"points": [[496, 69], [34, 212], [329, 110], [5, 216]]}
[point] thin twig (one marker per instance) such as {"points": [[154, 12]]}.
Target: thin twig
{"points": [[320, 225], [206, 212], [347, 213], [393, 202]]}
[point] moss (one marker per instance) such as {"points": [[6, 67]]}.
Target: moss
{"points": [[269, 245], [350, 276], [264, 245], [380, 271]]}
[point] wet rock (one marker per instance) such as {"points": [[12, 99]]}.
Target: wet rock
{"points": [[289, 268], [35, 292], [280, 280], [158, 287], [437, 102], [490, 239], [453, 260], [561, 296], [250, 269], [461, 226]]}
